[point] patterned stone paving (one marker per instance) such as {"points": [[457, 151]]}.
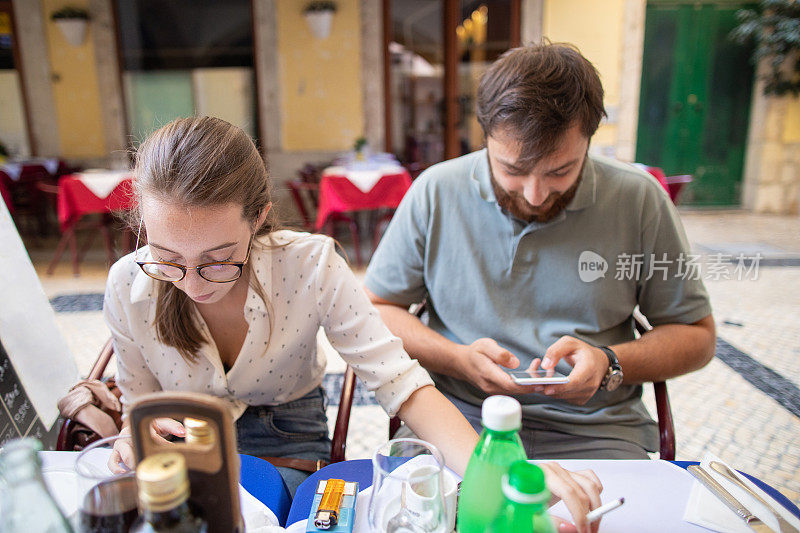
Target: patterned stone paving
{"points": [[716, 409]]}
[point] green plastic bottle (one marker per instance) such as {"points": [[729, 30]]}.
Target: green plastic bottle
{"points": [[499, 446], [526, 497]]}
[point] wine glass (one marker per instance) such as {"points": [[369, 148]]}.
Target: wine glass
{"points": [[107, 502], [407, 488]]}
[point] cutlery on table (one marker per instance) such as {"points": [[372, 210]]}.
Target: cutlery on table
{"points": [[783, 525], [727, 498]]}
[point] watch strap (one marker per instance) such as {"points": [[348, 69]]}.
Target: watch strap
{"points": [[613, 361]]}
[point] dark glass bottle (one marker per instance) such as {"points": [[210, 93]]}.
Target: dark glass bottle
{"points": [[164, 505]]}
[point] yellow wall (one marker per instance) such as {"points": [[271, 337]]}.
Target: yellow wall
{"points": [[320, 80], [76, 94], [595, 27], [791, 126]]}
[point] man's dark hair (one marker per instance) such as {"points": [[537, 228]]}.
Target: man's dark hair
{"points": [[537, 93]]}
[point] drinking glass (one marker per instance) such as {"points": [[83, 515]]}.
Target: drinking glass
{"points": [[407, 488], [107, 502]]}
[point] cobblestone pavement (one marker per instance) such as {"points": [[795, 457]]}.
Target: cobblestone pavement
{"points": [[716, 409]]}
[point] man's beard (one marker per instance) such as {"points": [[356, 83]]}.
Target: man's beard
{"points": [[518, 206]]}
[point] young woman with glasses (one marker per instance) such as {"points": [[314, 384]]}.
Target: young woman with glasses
{"points": [[221, 302]]}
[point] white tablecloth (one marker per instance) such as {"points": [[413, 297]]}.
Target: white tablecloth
{"points": [[60, 477], [102, 182], [364, 175], [14, 168]]}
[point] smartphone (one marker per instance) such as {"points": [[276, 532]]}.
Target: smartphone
{"points": [[539, 377]]}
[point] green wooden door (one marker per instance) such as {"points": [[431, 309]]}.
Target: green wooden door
{"points": [[695, 98]]}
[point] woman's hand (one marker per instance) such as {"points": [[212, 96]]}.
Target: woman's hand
{"points": [[580, 492], [122, 458]]}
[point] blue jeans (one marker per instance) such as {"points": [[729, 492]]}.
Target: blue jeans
{"points": [[294, 429]]}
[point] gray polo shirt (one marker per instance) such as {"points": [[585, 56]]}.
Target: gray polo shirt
{"points": [[485, 273]]}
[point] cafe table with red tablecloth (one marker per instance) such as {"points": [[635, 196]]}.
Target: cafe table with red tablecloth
{"points": [[91, 193], [339, 194]]}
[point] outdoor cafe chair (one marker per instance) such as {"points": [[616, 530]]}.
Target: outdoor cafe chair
{"points": [[666, 425], [73, 436]]}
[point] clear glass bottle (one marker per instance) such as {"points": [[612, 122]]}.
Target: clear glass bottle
{"points": [[526, 498], [164, 497], [25, 503], [498, 447]]}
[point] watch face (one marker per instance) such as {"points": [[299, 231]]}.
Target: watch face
{"points": [[614, 380]]}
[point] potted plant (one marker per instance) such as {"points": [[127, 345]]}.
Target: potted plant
{"points": [[359, 146], [319, 16], [775, 29], [72, 22]]}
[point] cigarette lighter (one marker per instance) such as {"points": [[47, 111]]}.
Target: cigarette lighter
{"points": [[333, 508]]}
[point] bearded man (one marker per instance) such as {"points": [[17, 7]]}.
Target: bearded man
{"points": [[534, 253]]}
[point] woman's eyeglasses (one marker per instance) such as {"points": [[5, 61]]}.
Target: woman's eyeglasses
{"points": [[215, 272]]}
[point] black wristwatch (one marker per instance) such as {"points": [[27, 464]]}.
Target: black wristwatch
{"points": [[613, 378]]}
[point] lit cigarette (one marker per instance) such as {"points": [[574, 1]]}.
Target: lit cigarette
{"points": [[603, 509]]}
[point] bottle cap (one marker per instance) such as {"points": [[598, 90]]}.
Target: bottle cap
{"points": [[501, 413], [163, 481], [525, 484], [198, 431]]}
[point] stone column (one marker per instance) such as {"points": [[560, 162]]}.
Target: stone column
{"points": [[41, 108], [772, 162], [265, 44], [372, 73], [630, 84], [112, 104], [532, 21]]}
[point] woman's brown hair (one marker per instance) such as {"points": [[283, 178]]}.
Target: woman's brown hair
{"points": [[201, 162], [537, 92]]}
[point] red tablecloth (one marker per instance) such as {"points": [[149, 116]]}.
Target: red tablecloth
{"points": [[6, 196], [337, 194], [76, 200]]}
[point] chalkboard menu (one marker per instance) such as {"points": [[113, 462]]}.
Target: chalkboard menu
{"points": [[18, 417]]}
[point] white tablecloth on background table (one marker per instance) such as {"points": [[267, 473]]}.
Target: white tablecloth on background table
{"points": [[14, 168], [365, 175], [102, 182]]}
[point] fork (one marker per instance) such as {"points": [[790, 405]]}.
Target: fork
{"points": [[783, 525]]}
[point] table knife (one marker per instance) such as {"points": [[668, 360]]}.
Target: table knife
{"points": [[783, 525], [727, 498]]}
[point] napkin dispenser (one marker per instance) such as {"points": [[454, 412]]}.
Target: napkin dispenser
{"points": [[212, 462]]}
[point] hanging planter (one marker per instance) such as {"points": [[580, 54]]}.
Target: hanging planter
{"points": [[72, 22], [319, 17]]}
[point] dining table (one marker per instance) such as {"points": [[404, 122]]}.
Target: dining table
{"points": [[91, 192], [656, 492], [19, 185], [360, 186]]}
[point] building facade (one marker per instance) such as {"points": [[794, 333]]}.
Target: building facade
{"points": [[400, 73]]}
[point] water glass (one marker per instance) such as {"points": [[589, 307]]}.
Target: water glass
{"points": [[107, 502], [407, 488]]}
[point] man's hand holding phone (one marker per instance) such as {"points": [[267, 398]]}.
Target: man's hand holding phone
{"points": [[480, 364], [589, 365]]}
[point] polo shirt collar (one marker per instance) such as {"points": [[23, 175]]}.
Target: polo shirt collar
{"points": [[584, 196]]}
